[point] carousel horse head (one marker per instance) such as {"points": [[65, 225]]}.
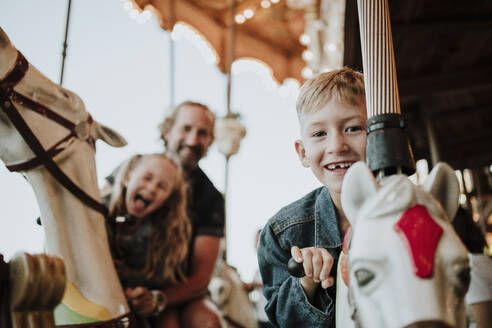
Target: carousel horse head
{"points": [[406, 265], [56, 116]]}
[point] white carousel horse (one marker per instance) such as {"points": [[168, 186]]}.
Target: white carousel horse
{"points": [[227, 291], [406, 266], [60, 138]]}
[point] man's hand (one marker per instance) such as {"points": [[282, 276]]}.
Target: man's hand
{"points": [[140, 300], [317, 263]]}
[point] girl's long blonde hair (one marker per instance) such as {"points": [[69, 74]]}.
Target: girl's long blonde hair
{"points": [[171, 226]]}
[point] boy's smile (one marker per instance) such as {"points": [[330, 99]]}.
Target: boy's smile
{"points": [[339, 168], [333, 138]]}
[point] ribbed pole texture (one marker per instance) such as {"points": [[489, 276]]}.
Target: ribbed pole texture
{"points": [[378, 58]]}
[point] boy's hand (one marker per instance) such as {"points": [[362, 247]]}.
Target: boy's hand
{"points": [[317, 263], [140, 300]]}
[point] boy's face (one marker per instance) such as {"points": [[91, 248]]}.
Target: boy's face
{"points": [[333, 138]]}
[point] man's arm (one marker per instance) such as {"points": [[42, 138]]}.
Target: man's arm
{"points": [[205, 252]]}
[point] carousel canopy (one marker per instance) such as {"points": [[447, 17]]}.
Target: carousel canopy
{"points": [[267, 31]]}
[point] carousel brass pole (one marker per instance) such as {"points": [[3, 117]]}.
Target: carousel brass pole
{"points": [[430, 130], [431, 136], [387, 148], [172, 76], [230, 55], [65, 45], [479, 200], [229, 59]]}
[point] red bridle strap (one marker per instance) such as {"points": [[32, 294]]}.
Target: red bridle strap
{"points": [[421, 235]]}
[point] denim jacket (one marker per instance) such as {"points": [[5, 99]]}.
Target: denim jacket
{"points": [[309, 221]]}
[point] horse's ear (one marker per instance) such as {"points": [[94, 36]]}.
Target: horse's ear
{"points": [[358, 185], [4, 39], [442, 183], [110, 136]]}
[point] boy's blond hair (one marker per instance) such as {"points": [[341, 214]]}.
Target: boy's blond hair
{"points": [[344, 85]]}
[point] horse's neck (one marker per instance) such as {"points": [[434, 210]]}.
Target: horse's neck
{"points": [[77, 233], [343, 310]]}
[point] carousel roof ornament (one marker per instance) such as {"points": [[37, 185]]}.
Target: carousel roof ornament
{"points": [[228, 135]]}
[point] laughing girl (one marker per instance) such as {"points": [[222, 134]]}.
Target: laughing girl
{"points": [[149, 230]]}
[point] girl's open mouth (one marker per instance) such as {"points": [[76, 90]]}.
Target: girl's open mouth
{"points": [[141, 202]]}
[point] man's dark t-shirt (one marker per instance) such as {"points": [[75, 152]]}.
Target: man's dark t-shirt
{"points": [[205, 206]]}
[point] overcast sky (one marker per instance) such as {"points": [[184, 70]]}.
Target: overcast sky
{"points": [[121, 70]]}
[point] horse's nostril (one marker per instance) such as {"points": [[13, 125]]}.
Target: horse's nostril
{"points": [[429, 324], [464, 278]]}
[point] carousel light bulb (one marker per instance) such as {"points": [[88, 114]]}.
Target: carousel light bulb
{"points": [[307, 55], [248, 13], [330, 47], [275, 1], [133, 14], [127, 5], [462, 199], [143, 17], [240, 19], [146, 14], [468, 178], [176, 33], [306, 72], [304, 39], [265, 4]]}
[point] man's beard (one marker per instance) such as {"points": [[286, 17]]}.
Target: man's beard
{"points": [[190, 162]]}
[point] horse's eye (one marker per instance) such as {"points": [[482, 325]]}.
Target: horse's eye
{"points": [[464, 281], [363, 277]]}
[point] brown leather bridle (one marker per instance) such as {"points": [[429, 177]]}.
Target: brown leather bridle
{"points": [[8, 97]]}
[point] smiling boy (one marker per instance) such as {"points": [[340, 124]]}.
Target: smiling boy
{"points": [[332, 115]]}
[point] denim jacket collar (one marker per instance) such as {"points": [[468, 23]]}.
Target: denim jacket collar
{"points": [[327, 234]]}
